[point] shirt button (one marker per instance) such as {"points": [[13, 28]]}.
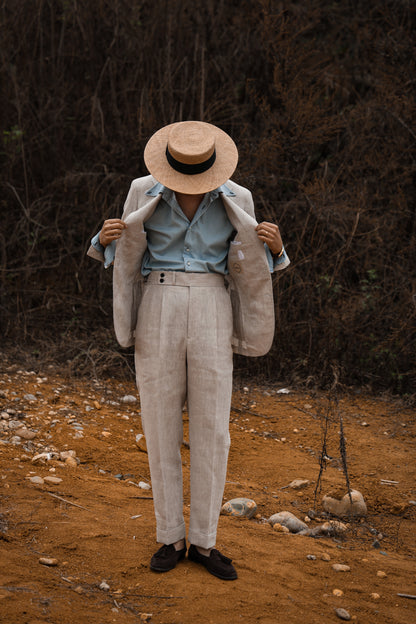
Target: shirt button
{"points": [[186, 248], [188, 263]]}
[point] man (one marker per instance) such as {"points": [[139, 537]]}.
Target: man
{"points": [[191, 285]]}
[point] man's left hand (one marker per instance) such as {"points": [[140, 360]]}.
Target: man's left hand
{"points": [[269, 233]]}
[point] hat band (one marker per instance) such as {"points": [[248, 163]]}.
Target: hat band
{"points": [[190, 169]]}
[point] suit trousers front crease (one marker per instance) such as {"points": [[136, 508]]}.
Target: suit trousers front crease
{"points": [[183, 351]]}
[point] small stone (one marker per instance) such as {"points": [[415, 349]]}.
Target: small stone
{"points": [[381, 574], [52, 480], [36, 480], [342, 614], [364, 424], [337, 592], [79, 589], [128, 399], [97, 405], [29, 397], [71, 462], [375, 596], [297, 484], [104, 585], [279, 528], [340, 567], [325, 557], [307, 406], [48, 561], [141, 442], [145, 617], [144, 486], [65, 454], [289, 520], [311, 557], [106, 434], [26, 434], [239, 507]]}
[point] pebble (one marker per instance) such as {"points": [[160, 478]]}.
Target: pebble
{"points": [[36, 480], [48, 561], [26, 434], [381, 574], [146, 617], [337, 592], [239, 507], [311, 557], [144, 486], [71, 462], [297, 484], [52, 480], [340, 567], [104, 585], [325, 557], [280, 528], [29, 397], [128, 399], [289, 520], [375, 596], [141, 442], [342, 614]]}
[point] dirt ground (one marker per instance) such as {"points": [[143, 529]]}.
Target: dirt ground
{"points": [[98, 524]]}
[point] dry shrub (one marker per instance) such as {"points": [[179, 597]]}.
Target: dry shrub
{"points": [[320, 98]]}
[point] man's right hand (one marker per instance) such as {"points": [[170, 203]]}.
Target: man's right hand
{"points": [[111, 230]]}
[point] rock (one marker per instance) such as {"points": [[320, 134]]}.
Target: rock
{"points": [[26, 434], [63, 455], [71, 462], [144, 486], [280, 528], [239, 507], [343, 507], [52, 480], [342, 614], [340, 567], [48, 561], [36, 480], [29, 397], [375, 596], [104, 585], [311, 557], [337, 592], [128, 399], [146, 617], [325, 557], [141, 442], [287, 519], [297, 484], [381, 574]]}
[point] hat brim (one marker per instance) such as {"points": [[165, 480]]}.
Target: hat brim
{"points": [[222, 169]]}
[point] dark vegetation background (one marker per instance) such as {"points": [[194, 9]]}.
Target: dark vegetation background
{"points": [[320, 98]]}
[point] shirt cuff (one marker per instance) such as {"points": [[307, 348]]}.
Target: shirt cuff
{"points": [[108, 252], [277, 264]]}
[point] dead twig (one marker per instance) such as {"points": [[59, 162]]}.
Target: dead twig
{"points": [[67, 501]]}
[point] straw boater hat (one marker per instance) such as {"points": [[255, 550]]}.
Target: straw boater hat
{"points": [[191, 157]]}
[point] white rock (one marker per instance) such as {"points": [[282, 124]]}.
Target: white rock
{"points": [[343, 507], [289, 520], [144, 486], [141, 442], [128, 398], [343, 614], [340, 567], [104, 585], [48, 561], [25, 433], [52, 480], [37, 480]]}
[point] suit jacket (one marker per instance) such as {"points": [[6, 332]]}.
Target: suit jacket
{"points": [[249, 279]]}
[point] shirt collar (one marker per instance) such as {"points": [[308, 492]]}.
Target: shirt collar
{"points": [[159, 189]]}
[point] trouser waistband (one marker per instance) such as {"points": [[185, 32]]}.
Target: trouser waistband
{"points": [[181, 278]]}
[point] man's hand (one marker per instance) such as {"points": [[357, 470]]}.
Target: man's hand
{"points": [[269, 234], [111, 230]]}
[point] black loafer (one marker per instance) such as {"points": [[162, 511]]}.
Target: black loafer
{"points": [[216, 564], [166, 558]]}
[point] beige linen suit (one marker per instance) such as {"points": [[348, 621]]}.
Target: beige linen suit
{"points": [[184, 328]]}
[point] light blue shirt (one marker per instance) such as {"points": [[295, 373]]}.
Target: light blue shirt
{"points": [[176, 244]]}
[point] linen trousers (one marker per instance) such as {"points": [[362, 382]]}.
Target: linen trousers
{"points": [[183, 352]]}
